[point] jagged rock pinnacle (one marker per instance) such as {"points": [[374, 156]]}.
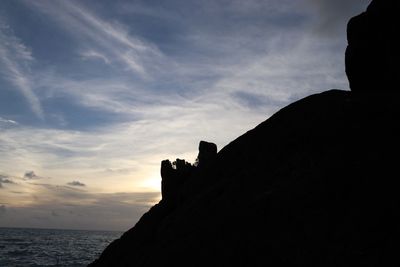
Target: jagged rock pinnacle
{"points": [[174, 175]]}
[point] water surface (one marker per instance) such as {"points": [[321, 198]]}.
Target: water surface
{"points": [[49, 247]]}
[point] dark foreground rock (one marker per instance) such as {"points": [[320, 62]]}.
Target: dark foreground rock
{"points": [[317, 184], [175, 174], [373, 53]]}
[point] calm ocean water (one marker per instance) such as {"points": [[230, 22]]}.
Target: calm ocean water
{"points": [[43, 247]]}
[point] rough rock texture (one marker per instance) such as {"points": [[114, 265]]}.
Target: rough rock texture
{"points": [[317, 184], [373, 53]]}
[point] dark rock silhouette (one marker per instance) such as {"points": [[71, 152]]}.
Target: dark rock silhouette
{"points": [[207, 154], [372, 55], [314, 185], [174, 175]]}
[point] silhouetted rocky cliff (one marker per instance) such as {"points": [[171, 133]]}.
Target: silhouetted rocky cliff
{"points": [[317, 184]]}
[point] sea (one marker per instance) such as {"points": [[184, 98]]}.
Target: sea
{"points": [[48, 247]]}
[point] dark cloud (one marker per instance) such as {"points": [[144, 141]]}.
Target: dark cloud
{"points": [[2, 209], [5, 180], [56, 207], [30, 175], [76, 183], [59, 193], [54, 213], [71, 207]]}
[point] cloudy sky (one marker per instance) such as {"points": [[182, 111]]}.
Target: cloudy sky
{"points": [[94, 94]]}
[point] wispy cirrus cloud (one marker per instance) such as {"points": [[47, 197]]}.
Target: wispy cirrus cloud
{"points": [[126, 84], [7, 121], [92, 54], [134, 146], [109, 40], [220, 59], [225, 68], [15, 60]]}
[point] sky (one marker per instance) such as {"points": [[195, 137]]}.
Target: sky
{"points": [[95, 93]]}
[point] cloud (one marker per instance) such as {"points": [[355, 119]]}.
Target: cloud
{"points": [[30, 175], [204, 68], [7, 121], [91, 54], [54, 213], [255, 100], [5, 180], [102, 38], [65, 207], [333, 15], [2, 210], [15, 59], [214, 54], [76, 183], [243, 66]]}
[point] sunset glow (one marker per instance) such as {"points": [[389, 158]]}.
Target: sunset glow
{"points": [[94, 94]]}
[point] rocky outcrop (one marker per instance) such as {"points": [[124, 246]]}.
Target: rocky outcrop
{"points": [[174, 175], [373, 52], [314, 185], [207, 154]]}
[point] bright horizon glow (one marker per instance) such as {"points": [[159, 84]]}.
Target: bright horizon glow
{"points": [[95, 94]]}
